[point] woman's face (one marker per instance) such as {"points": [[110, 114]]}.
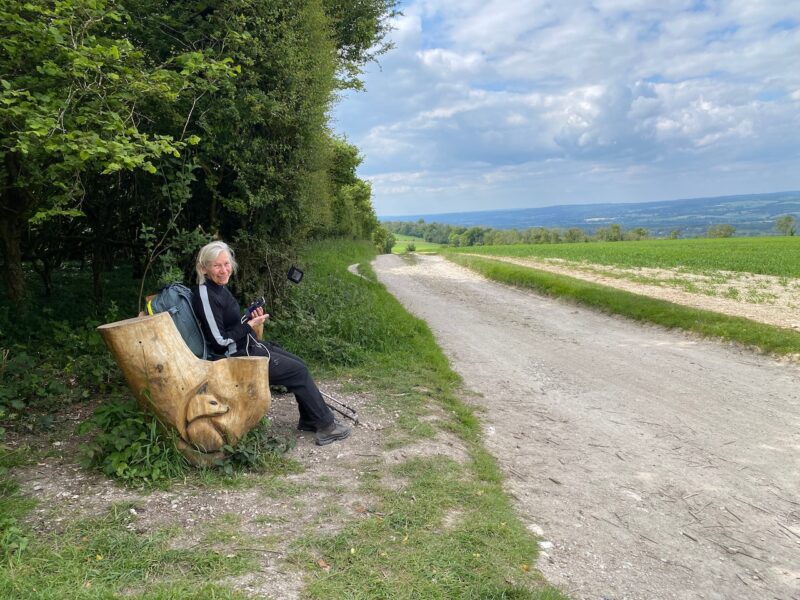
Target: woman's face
{"points": [[219, 270]]}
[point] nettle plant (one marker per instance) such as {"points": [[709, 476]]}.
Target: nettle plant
{"points": [[131, 445]]}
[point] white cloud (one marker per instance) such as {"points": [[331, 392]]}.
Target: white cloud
{"points": [[449, 63], [498, 98]]}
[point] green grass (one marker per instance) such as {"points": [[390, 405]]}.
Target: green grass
{"points": [[100, 557], [448, 534], [14, 537], [103, 556], [778, 256], [641, 308], [420, 245]]}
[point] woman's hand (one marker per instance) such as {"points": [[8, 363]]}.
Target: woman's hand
{"points": [[259, 316]]}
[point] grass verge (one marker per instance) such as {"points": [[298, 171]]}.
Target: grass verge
{"points": [[100, 557], [448, 533], [446, 530], [764, 338]]}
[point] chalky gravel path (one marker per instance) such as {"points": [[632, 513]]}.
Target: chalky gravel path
{"points": [[653, 464]]}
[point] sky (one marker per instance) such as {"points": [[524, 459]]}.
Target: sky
{"points": [[492, 104]]}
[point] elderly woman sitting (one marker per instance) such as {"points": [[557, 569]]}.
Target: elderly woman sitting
{"points": [[231, 334]]}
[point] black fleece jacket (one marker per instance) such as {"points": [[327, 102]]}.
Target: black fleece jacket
{"points": [[221, 319]]}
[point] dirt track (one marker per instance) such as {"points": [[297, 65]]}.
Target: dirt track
{"points": [[654, 465]]}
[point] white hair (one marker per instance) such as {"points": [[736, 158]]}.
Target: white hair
{"points": [[209, 254]]}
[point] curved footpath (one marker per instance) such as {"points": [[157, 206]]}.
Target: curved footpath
{"points": [[654, 465]]}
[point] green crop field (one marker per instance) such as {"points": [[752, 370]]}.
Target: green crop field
{"points": [[420, 245], [778, 256]]}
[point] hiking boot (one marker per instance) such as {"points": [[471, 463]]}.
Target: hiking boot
{"points": [[331, 433], [306, 426]]}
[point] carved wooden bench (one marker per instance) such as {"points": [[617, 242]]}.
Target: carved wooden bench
{"points": [[209, 403]]}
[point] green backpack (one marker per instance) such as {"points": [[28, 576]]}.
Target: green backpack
{"points": [[176, 299]]}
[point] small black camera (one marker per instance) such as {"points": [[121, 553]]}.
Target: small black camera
{"points": [[295, 275]]}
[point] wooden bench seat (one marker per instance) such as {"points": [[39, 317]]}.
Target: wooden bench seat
{"points": [[209, 403]]}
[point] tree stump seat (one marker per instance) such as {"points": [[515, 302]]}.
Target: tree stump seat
{"points": [[210, 404]]}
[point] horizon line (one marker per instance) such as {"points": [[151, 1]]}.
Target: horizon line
{"points": [[495, 210]]}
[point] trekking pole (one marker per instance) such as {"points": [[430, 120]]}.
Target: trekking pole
{"points": [[341, 408]]}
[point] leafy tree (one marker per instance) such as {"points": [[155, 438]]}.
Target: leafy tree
{"points": [[787, 224], [359, 28], [352, 211], [637, 233], [722, 230], [574, 234], [102, 113], [71, 95], [439, 233], [472, 236], [501, 237], [383, 239], [269, 172]]}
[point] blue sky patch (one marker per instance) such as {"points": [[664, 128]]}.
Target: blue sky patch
{"points": [[508, 104]]}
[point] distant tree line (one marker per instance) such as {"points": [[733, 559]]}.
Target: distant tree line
{"points": [[132, 131], [457, 235]]}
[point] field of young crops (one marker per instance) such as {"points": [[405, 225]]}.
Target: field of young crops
{"points": [[420, 245], [778, 256]]}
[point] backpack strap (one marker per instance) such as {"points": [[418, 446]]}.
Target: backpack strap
{"points": [[212, 322], [171, 310]]}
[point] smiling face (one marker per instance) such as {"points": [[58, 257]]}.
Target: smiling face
{"points": [[219, 270]]}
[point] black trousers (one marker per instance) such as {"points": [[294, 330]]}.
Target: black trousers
{"points": [[290, 371]]}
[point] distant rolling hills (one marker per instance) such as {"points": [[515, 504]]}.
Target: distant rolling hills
{"points": [[751, 214]]}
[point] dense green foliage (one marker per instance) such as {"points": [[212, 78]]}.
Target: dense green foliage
{"points": [[723, 230], [786, 225], [133, 131], [132, 447], [323, 324], [51, 354], [767, 256]]}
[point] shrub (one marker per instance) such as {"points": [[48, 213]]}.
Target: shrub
{"points": [[131, 445], [65, 366], [383, 239], [722, 230]]}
